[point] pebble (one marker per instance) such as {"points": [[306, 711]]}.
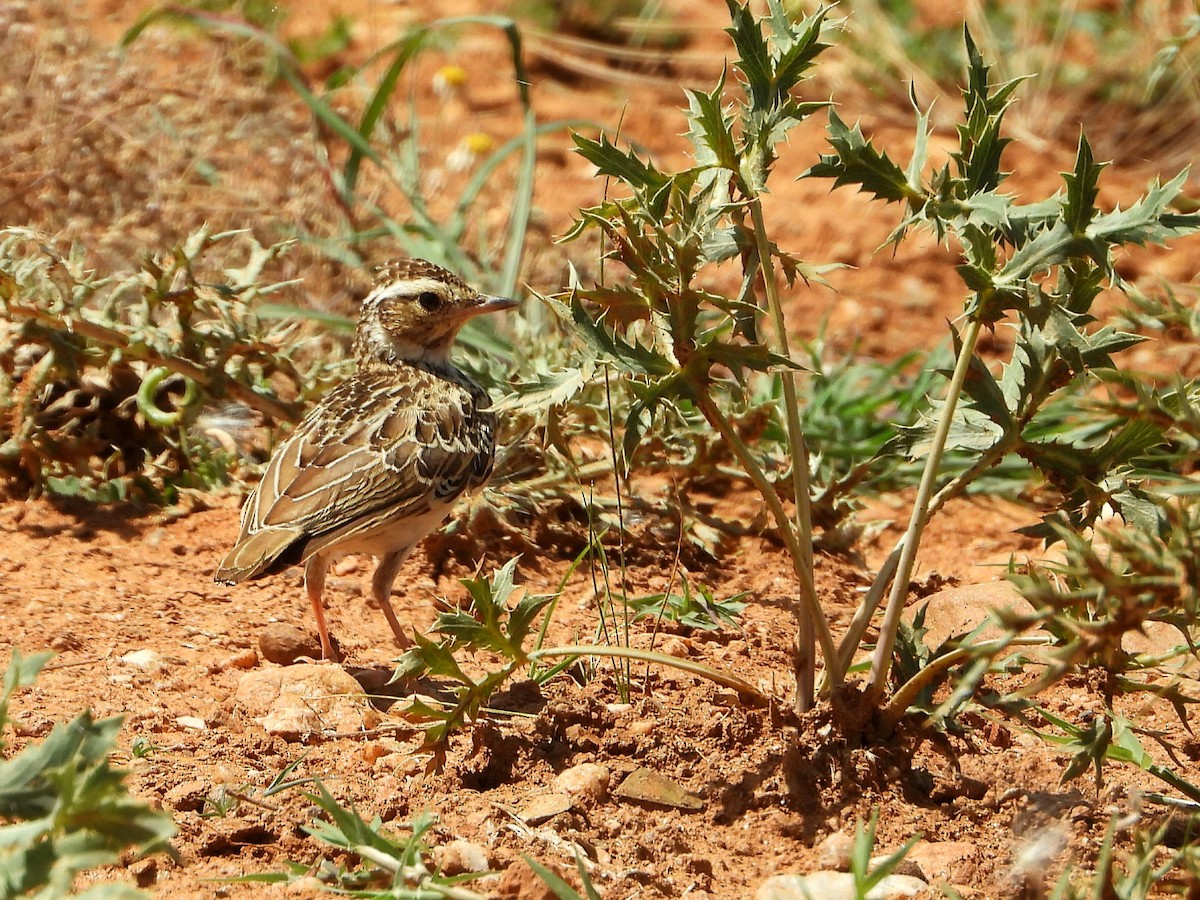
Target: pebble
{"points": [[194, 723], [146, 660], [953, 861], [285, 644], [459, 857], [346, 566], [676, 647], [588, 780], [544, 807], [833, 852], [647, 786], [247, 659], [299, 701], [836, 886]]}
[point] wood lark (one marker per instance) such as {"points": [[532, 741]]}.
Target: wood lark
{"points": [[378, 464]]}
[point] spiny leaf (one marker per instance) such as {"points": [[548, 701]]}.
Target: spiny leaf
{"points": [[1082, 188], [634, 358], [856, 161], [617, 163], [754, 58], [710, 128]]}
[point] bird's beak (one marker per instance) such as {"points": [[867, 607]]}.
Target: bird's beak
{"points": [[489, 304]]}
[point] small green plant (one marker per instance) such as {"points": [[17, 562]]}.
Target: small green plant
{"points": [[866, 875], [499, 623], [63, 808], [692, 607], [385, 866], [138, 385]]}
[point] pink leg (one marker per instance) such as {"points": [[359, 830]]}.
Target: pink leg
{"points": [[381, 590], [314, 583]]}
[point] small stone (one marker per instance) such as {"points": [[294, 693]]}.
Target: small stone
{"points": [[647, 786], [588, 780], [284, 644], [954, 612], [460, 857], [955, 861], [373, 750], [247, 659], [836, 886], [833, 853], [144, 871], [194, 723], [676, 647], [146, 660], [298, 701], [544, 807], [346, 566]]}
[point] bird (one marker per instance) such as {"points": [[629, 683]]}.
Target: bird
{"points": [[378, 464]]}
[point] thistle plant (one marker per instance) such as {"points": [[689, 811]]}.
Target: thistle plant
{"points": [[63, 808], [1040, 265], [667, 334]]}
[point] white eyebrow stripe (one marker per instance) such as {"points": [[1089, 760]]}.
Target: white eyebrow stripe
{"points": [[409, 286]]}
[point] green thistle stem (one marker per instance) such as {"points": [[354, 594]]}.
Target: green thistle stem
{"points": [[881, 663]]}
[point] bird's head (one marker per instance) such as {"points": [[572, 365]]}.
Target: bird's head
{"points": [[415, 311]]}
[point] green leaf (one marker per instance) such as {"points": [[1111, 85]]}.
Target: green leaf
{"points": [[1146, 221], [616, 163], [754, 59], [634, 358], [1082, 188], [986, 394], [857, 162], [799, 45], [710, 129]]}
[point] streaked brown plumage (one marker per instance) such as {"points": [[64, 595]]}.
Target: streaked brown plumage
{"points": [[378, 464]]}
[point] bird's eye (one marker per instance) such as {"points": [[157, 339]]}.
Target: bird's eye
{"points": [[429, 301]]}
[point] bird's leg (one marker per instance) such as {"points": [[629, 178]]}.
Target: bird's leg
{"points": [[314, 583], [381, 590]]}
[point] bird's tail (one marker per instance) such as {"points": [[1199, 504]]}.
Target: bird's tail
{"points": [[262, 553]]}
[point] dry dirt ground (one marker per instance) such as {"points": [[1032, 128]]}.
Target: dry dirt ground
{"points": [[102, 587]]}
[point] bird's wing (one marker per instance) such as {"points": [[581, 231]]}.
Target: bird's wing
{"points": [[374, 450]]}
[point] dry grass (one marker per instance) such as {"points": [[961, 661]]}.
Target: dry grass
{"points": [[127, 154]]}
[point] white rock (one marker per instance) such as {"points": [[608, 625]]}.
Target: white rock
{"points": [[195, 723], [458, 857], [301, 700], [589, 780], [835, 886], [147, 660], [833, 853]]}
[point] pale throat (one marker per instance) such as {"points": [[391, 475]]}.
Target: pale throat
{"points": [[394, 349], [387, 346]]}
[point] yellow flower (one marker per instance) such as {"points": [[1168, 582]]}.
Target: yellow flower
{"points": [[448, 79]]}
